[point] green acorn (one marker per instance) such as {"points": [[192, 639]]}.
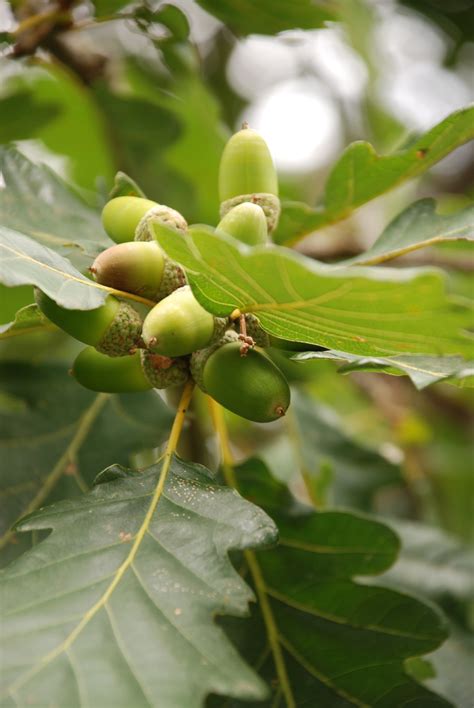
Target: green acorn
{"points": [[113, 328], [121, 216], [178, 325], [139, 372], [247, 174], [135, 267], [99, 372], [251, 386], [247, 223]]}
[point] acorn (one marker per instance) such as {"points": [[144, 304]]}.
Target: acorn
{"points": [[138, 267], [247, 223], [251, 386], [99, 372], [178, 325], [114, 328], [247, 174], [139, 372], [121, 216]]}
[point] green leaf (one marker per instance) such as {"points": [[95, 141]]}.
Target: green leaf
{"points": [[422, 370], [125, 186], [417, 227], [12, 300], [26, 262], [56, 436], [29, 318], [270, 16], [364, 311], [342, 643], [116, 609], [38, 203], [361, 174]]}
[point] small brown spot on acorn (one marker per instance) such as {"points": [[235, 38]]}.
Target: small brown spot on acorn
{"points": [[421, 153]]}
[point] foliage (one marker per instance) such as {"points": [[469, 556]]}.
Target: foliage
{"points": [[162, 552]]}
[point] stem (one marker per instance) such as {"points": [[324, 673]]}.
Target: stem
{"points": [[251, 559]]}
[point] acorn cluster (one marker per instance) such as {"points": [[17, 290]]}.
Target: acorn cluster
{"points": [[178, 338]]}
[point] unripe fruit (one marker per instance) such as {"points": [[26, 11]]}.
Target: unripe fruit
{"points": [[139, 372], [247, 174], [135, 267], [251, 386], [178, 325], [247, 223], [246, 166], [99, 372], [121, 216], [114, 328]]}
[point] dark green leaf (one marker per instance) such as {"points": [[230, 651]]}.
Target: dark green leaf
{"points": [[116, 609], [364, 311], [417, 227], [56, 436], [361, 174], [23, 116], [270, 16], [343, 643]]}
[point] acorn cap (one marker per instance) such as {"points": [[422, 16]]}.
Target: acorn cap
{"points": [[121, 215], [246, 166], [134, 267], [162, 371], [268, 202], [154, 218], [123, 334], [247, 223], [99, 372]]}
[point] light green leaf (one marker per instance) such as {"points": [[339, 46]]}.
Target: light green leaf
{"points": [[116, 607], [56, 436], [422, 370], [417, 227], [342, 643], [364, 311], [361, 174], [26, 262], [38, 203], [28, 319], [125, 186], [270, 16]]}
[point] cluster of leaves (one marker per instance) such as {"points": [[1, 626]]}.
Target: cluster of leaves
{"points": [[85, 547]]}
